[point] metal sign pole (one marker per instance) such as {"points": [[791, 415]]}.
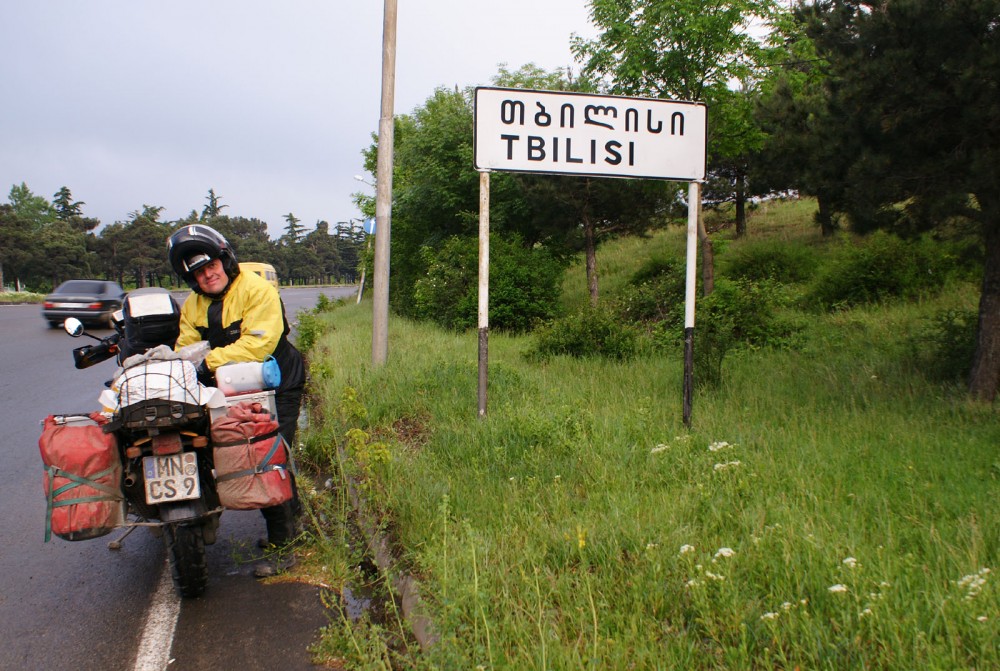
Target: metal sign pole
{"points": [[694, 200], [484, 286]]}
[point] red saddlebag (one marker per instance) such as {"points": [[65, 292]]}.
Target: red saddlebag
{"points": [[83, 473], [252, 465]]}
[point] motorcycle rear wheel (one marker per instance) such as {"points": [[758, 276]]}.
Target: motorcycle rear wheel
{"points": [[186, 551]]}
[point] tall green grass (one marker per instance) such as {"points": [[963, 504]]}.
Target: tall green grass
{"points": [[829, 508]]}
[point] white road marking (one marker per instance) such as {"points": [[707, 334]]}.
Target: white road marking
{"points": [[161, 621]]}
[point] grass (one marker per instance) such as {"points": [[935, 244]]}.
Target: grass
{"points": [[20, 297], [829, 508]]}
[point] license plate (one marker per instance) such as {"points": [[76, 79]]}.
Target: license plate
{"points": [[173, 477], [68, 305]]}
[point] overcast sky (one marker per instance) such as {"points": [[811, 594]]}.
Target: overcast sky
{"points": [[134, 102]]}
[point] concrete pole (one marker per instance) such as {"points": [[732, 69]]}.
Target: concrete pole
{"points": [[383, 190]]}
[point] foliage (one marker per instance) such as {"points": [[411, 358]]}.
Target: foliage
{"points": [[310, 326], [817, 491], [881, 267], [913, 167], [739, 313], [592, 332], [772, 260], [523, 285], [436, 194], [42, 244], [944, 348], [688, 50], [655, 292]]}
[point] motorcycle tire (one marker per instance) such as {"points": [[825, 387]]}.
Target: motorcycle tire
{"points": [[186, 551]]}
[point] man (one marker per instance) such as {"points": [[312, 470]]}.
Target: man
{"points": [[242, 317]]}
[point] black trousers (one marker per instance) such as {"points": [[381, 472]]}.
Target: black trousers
{"points": [[280, 519]]}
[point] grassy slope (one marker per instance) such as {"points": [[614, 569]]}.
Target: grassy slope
{"points": [[556, 533]]}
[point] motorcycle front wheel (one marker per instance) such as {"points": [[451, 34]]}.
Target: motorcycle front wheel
{"points": [[186, 551]]}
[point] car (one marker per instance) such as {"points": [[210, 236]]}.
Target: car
{"points": [[90, 301], [265, 270]]}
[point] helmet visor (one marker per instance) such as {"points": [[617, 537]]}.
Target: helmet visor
{"points": [[196, 261]]}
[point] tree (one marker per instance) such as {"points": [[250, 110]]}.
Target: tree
{"points": [[918, 84], [214, 206], [16, 241], [143, 244], [684, 50], [803, 149], [294, 230]]}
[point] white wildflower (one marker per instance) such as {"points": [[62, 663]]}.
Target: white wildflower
{"points": [[850, 562], [973, 583], [728, 464], [788, 605], [659, 448], [769, 616], [865, 613], [718, 445], [725, 552], [686, 548], [652, 546], [982, 618], [836, 589], [692, 583], [714, 576]]}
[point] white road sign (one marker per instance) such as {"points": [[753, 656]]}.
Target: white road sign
{"points": [[522, 130]]}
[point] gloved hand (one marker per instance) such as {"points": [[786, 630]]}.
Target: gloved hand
{"points": [[205, 376]]}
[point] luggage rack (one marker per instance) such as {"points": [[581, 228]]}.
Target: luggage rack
{"points": [[157, 394], [155, 413]]}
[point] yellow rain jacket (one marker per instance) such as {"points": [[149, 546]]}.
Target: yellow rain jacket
{"points": [[247, 324]]}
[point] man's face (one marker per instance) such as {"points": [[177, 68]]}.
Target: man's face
{"points": [[211, 277]]}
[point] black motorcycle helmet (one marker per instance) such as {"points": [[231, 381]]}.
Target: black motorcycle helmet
{"points": [[192, 246]]}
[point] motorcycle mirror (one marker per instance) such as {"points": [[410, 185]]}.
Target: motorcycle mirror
{"points": [[73, 326]]}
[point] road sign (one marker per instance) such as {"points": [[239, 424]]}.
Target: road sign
{"points": [[522, 130]]}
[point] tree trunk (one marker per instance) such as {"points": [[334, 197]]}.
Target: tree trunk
{"points": [[588, 234], [985, 375], [707, 254], [824, 217], [741, 205]]}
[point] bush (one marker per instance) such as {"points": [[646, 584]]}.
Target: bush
{"points": [[880, 267], [524, 285], [591, 332], [772, 260], [944, 349], [655, 293], [739, 313]]}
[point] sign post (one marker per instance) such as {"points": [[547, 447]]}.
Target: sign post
{"points": [[563, 133]]}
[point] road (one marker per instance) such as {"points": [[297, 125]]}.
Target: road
{"points": [[80, 605]]}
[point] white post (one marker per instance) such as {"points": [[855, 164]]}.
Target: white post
{"points": [[691, 283], [484, 285], [383, 190]]}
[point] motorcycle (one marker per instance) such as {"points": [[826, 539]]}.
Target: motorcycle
{"points": [[167, 452], [163, 439]]}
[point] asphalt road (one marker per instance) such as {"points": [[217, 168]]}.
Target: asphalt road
{"points": [[80, 605]]}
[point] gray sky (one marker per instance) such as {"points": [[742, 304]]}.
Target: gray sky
{"points": [[133, 102]]}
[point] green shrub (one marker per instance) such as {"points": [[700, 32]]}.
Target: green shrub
{"points": [[655, 293], [739, 313], [775, 260], [591, 332], [880, 267], [524, 285], [944, 349]]}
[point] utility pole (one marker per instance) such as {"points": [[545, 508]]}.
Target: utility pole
{"points": [[383, 190]]}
